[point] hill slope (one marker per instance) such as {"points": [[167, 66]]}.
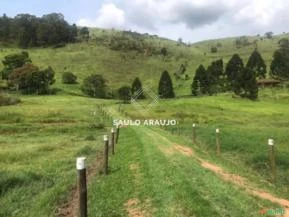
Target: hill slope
{"points": [[121, 66]]}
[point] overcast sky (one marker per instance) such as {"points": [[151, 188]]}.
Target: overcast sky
{"points": [[191, 20]]}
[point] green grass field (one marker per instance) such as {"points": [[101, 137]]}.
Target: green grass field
{"points": [[40, 140], [41, 137]]}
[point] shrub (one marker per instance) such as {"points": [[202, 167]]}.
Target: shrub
{"points": [[69, 78], [29, 79], [124, 93], [214, 49], [94, 86]]}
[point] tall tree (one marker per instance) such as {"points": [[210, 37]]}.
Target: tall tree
{"points": [[4, 28], [233, 72], [136, 89], [257, 64], [84, 33], [249, 87], [198, 81], [165, 89], [279, 68], [27, 30], [215, 74]]}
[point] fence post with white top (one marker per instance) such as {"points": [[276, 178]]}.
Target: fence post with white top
{"points": [[81, 185], [194, 133], [105, 165], [272, 159], [218, 142]]}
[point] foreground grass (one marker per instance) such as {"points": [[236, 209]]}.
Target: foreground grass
{"points": [[147, 178], [39, 142]]}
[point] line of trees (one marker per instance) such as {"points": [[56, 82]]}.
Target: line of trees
{"points": [[28, 30], [236, 77]]}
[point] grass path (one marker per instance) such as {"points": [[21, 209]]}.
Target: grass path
{"points": [[229, 177], [154, 176]]}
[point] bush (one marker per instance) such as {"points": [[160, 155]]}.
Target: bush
{"points": [[124, 93], [214, 49], [29, 79], [69, 78], [94, 86], [8, 100]]}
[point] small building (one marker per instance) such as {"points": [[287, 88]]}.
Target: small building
{"points": [[268, 82]]}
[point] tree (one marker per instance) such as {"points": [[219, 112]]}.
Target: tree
{"points": [[249, 86], [165, 89], [84, 33], [29, 79], [279, 68], [14, 61], [69, 78], [73, 33], [180, 41], [242, 41], [284, 43], [269, 35], [214, 49], [215, 77], [257, 64], [233, 72], [198, 79], [27, 30], [203, 81], [136, 89], [124, 93], [94, 86], [164, 52], [4, 28]]}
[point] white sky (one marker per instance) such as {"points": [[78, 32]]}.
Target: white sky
{"points": [[192, 20]]}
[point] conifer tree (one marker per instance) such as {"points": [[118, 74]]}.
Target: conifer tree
{"points": [[165, 89], [249, 84], [199, 81], [257, 64], [279, 68], [136, 89], [233, 72]]}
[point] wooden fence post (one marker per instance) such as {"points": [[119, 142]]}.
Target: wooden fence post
{"points": [[105, 165], [194, 133], [81, 184], [218, 141], [117, 134], [272, 159], [112, 141]]}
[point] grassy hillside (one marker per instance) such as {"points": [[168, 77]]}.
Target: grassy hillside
{"points": [[120, 67]]}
